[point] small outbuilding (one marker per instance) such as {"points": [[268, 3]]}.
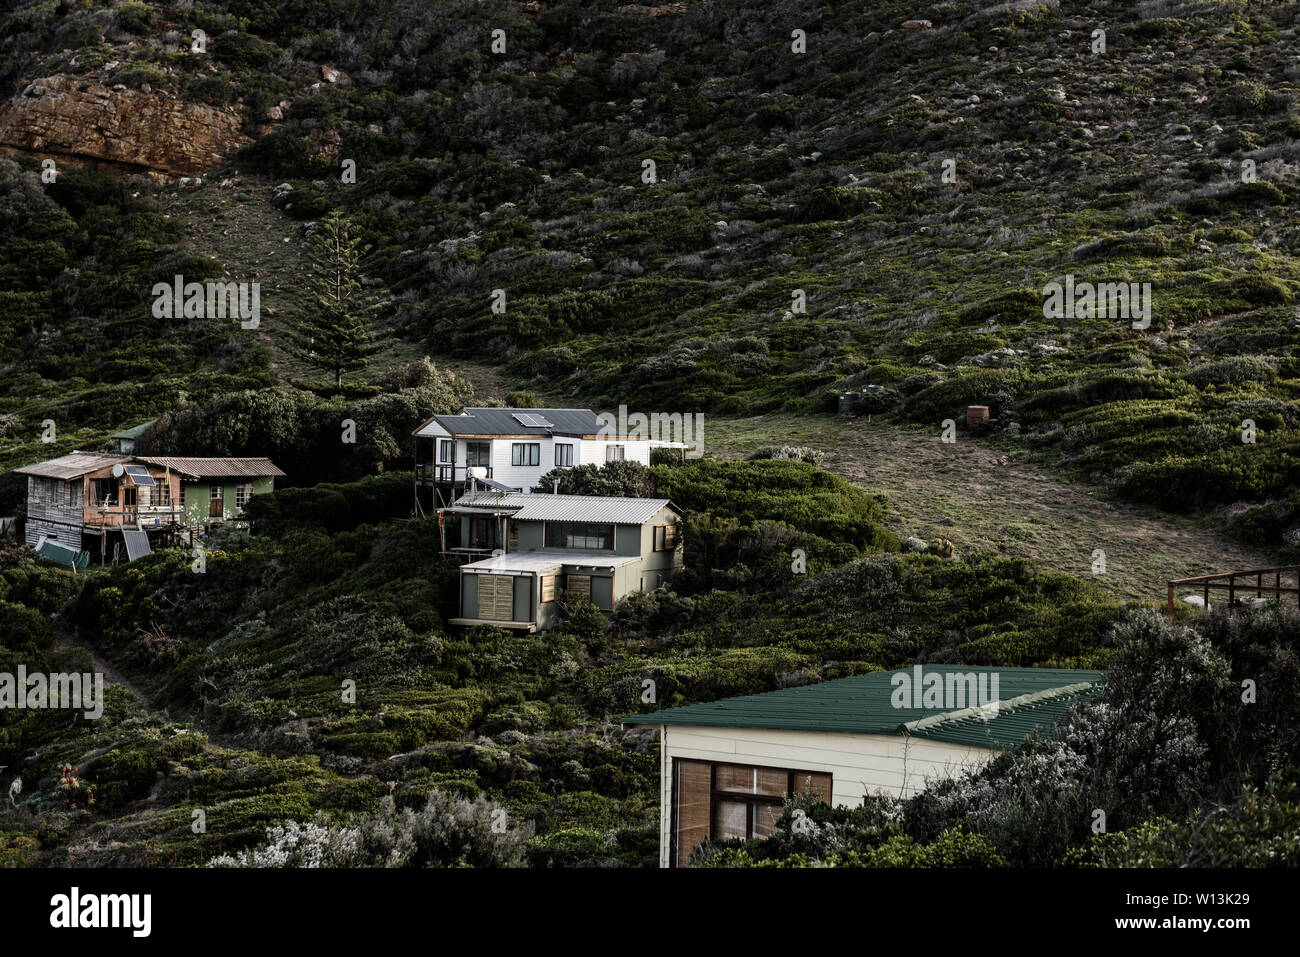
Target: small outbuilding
{"points": [[727, 766]]}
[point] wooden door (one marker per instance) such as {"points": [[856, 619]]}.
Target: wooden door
{"points": [[217, 502], [129, 505]]}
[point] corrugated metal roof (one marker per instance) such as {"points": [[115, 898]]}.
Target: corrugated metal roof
{"points": [[73, 465], [215, 467], [863, 704], [545, 507], [503, 422]]}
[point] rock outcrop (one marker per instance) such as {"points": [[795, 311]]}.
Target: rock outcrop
{"points": [[119, 130]]}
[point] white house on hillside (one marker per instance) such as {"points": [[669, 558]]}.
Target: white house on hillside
{"points": [[514, 448]]}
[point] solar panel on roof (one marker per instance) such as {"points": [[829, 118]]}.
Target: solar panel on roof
{"points": [[532, 420]]}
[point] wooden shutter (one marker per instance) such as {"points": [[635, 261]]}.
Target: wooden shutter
{"points": [[548, 588], [765, 818], [578, 584], [496, 597], [691, 807], [819, 785]]}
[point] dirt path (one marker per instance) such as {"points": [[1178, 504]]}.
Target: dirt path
{"points": [[63, 638], [972, 494]]}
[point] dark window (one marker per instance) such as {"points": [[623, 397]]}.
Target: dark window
{"points": [[444, 450], [722, 801], [478, 453], [615, 453], [526, 453], [483, 533], [579, 535], [103, 491], [564, 455], [665, 538]]}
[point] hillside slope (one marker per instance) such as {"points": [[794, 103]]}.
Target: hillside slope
{"points": [[979, 498]]}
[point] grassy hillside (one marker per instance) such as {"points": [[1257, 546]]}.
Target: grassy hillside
{"points": [[774, 171]]}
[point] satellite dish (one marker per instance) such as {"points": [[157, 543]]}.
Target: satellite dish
{"points": [[119, 470], [478, 472]]}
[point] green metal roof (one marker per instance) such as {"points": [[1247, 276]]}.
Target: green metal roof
{"points": [[1028, 699], [134, 432]]}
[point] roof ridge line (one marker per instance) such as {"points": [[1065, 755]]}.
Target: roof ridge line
{"points": [[994, 707]]}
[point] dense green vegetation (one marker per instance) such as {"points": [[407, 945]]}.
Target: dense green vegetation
{"points": [[775, 171], [250, 658]]}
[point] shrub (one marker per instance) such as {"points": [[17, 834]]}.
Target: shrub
{"points": [[447, 831], [1233, 371]]}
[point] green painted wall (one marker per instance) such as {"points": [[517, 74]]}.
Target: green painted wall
{"points": [[198, 494]]}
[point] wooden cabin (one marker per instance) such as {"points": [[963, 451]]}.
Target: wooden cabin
{"points": [[100, 502]]}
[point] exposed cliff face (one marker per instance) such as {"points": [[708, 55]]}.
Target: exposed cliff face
{"points": [[119, 130]]}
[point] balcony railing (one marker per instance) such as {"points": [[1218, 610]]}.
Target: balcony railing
{"points": [[116, 516], [446, 474]]}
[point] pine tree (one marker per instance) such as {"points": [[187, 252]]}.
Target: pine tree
{"points": [[332, 331]]}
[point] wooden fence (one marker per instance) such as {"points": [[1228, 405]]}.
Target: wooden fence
{"points": [[1254, 582]]}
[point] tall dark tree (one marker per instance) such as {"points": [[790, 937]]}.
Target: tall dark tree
{"points": [[332, 330]]}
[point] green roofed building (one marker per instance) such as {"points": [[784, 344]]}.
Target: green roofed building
{"points": [[127, 437], [726, 766]]}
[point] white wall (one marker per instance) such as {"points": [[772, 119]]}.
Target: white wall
{"points": [[858, 763], [585, 451], [592, 451]]}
